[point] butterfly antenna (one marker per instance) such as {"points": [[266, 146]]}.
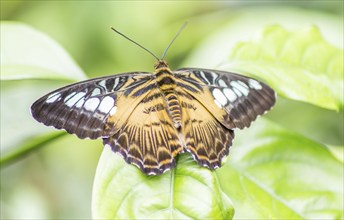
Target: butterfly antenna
{"points": [[135, 43], [174, 38]]}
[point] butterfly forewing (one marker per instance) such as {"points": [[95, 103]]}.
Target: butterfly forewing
{"points": [[234, 100], [84, 108]]}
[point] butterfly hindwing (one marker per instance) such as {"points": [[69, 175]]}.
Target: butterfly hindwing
{"points": [[148, 138], [205, 137], [84, 108], [234, 100]]}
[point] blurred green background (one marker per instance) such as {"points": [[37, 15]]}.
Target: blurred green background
{"points": [[56, 181]]}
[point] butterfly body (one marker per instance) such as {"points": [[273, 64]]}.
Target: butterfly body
{"points": [[167, 85], [149, 118]]}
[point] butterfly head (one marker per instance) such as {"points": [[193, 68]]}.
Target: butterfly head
{"points": [[160, 64]]}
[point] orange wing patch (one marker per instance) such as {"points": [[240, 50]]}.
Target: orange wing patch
{"points": [[124, 107]]}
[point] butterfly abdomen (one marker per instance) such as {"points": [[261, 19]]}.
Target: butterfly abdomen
{"points": [[174, 109], [167, 85]]}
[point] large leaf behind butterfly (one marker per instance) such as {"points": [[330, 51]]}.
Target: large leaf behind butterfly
{"points": [[187, 192]]}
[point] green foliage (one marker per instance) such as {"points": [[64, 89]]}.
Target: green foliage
{"points": [[282, 175], [186, 192], [29, 54], [301, 64], [271, 171]]}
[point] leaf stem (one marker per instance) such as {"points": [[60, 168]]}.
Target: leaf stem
{"points": [[28, 147]]}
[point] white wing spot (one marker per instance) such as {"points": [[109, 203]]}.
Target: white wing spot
{"points": [[106, 105], [69, 96], [95, 92], [75, 99], [203, 76], [116, 83], [229, 94], [80, 103], [243, 84], [237, 92], [113, 111], [91, 104], [53, 97], [222, 83], [214, 75], [220, 97], [217, 103], [243, 90], [254, 84], [102, 84]]}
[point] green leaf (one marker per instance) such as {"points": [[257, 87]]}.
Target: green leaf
{"points": [[29, 146], [299, 65], [273, 173], [305, 117], [29, 54], [122, 191], [17, 125]]}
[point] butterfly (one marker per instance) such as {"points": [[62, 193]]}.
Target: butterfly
{"points": [[150, 118]]}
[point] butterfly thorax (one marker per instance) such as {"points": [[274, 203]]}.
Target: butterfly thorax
{"points": [[167, 84]]}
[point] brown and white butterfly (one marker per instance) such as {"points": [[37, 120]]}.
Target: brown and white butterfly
{"points": [[150, 118]]}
